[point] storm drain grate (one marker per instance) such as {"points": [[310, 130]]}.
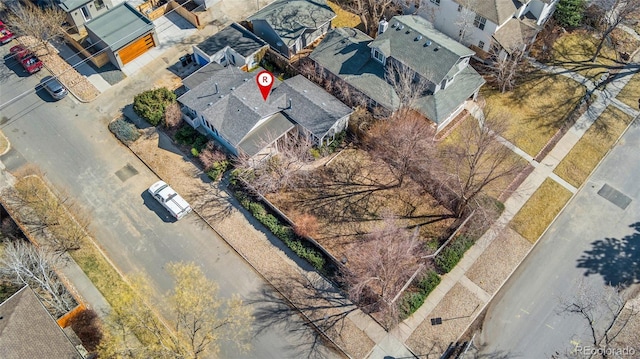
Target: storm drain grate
{"points": [[614, 196], [126, 172]]}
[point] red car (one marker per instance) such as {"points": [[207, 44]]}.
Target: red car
{"points": [[27, 59], [5, 34]]}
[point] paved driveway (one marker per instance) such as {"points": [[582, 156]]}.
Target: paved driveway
{"points": [[594, 239], [71, 144]]}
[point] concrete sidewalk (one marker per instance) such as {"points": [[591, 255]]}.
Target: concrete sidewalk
{"points": [[513, 204]]}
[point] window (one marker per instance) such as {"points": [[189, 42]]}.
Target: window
{"points": [[99, 4], [459, 8], [378, 55], [481, 44], [437, 2], [479, 22], [85, 13]]}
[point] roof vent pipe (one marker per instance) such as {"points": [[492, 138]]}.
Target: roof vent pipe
{"points": [[216, 85]]}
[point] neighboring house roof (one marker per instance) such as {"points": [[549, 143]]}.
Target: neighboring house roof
{"points": [[291, 18], [27, 330], [120, 26], [345, 53], [496, 11], [237, 106], [310, 106], [235, 36], [413, 41], [439, 106], [515, 33], [70, 5]]}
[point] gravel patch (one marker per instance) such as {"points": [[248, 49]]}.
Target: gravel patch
{"points": [[456, 310], [498, 261]]}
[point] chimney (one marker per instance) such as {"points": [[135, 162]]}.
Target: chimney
{"points": [[382, 26]]}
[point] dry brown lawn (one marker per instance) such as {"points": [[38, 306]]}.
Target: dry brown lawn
{"points": [[574, 50], [343, 18], [349, 196], [541, 208], [587, 153], [456, 310], [497, 261], [631, 92], [494, 189], [536, 109]]}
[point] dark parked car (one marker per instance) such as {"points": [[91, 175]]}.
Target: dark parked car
{"points": [[54, 87]]}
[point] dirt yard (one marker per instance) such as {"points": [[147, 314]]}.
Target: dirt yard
{"points": [[350, 194]]}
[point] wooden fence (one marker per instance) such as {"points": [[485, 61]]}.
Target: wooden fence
{"points": [[98, 60], [153, 9], [192, 17]]}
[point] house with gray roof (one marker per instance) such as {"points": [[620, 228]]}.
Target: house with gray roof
{"points": [[229, 107], [123, 33], [80, 12], [234, 45], [489, 26], [27, 330], [410, 42], [289, 26]]}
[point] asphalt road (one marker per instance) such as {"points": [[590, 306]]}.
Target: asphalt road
{"points": [[592, 240], [71, 144]]}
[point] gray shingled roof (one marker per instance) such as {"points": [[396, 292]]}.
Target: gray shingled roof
{"points": [[496, 11], [290, 18], [311, 106], [203, 74], [28, 331], [345, 53], [120, 26], [235, 36], [439, 106], [237, 106], [413, 41]]}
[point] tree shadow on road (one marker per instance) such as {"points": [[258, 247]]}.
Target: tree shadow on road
{"points": [[312, 308], [615, 259]]}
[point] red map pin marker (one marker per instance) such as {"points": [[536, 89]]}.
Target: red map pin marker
{"points": [[265, 81]]}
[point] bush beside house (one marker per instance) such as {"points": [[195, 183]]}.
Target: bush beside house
{"points": [[151, 104]]}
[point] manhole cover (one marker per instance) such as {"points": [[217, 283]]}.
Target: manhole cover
{"points": [[614, 196], [126, 172]]}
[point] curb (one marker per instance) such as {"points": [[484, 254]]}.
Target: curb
{"points": [[8, 144], [304, 316]]}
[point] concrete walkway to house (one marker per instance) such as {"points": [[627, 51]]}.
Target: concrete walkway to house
{"points": [[542, 171]]}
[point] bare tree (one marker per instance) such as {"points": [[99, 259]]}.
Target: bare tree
{"points": [[608, 315], [43, 24], [476, 161], [407, 84], [613, 14], [406, 145], [25, 264], [371, 12], [172, 115], [465, 19], [202, 320], [280, 168], [504, 71], [379, 265]]}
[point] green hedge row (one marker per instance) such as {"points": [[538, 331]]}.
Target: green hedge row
{"points": [[411, 301], [450, 256], [303, 249]]}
